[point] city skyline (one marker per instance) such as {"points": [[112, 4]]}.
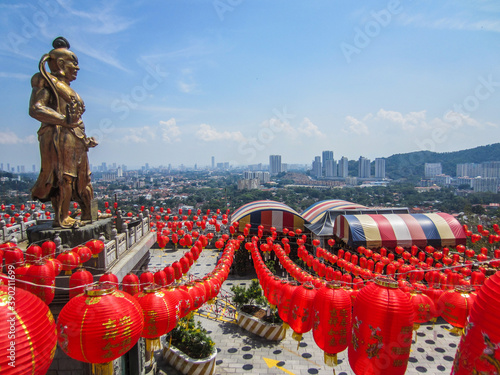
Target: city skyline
{"points": [[179, 82]]}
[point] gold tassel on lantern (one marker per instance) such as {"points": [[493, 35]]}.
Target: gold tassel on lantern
{"points": [[298, 337], [456, 331], [416, 326], [167, 348], [102, 368], [285, 327], [330, 359], [153, 345]]}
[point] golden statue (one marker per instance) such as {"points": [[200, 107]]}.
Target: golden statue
{"points": [[65, 171]]}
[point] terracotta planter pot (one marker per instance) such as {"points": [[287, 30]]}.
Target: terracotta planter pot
{"points": [[272, 332], [187, 365]]}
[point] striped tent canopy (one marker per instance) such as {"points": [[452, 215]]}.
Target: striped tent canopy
{"points": [[269, 214], [391, 230], [316, 212]]}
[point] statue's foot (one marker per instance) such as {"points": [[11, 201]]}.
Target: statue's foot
{"points": [[68, 222]]}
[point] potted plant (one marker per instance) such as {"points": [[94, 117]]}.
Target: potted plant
{"points": [[254, 313], [191, 350]]}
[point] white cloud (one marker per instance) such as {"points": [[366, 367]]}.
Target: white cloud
{"points": [[393, 122], [309, 129], [102, 20], [20, 76], [186, 87], [453, 22], [170, 131], [397, 132], [409, 121], [10, 138], [208, 133], [166, 131], [355, 126]]}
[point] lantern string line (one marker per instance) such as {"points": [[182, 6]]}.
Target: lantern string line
{"points": [[176, 283], [399, 273], [403, 274]]}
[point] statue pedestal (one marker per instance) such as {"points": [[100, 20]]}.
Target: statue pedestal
{"points": [[71, 237]]}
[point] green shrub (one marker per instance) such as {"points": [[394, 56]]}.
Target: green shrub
{"points": [[248, 296], [271, 265], [192, 339]]}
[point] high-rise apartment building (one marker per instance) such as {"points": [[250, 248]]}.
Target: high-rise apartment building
{"points": [[469, 170], [364, 167], [343, 168], [274, 164], [316, 167], [213, 162], [491, 169], [379, 168], [485, 184], [432, 169], [327, 155], [330, 168]]}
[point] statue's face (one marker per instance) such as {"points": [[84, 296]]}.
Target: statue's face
{"points": [[69, 65]]}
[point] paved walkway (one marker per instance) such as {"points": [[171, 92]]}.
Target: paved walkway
{"points": [[242, 352]]}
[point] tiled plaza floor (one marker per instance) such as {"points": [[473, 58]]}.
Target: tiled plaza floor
{"points": [[242, 352]]}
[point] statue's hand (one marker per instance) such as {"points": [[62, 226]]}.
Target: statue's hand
{"points": [[92, 142]]}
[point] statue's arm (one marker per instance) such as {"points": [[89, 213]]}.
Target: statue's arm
{"points": [[39, 103]]}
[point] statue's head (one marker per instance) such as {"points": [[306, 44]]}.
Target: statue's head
{"points": [[62, 62]]}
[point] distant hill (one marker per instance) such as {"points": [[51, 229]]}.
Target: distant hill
{"points": [[411, 165]]}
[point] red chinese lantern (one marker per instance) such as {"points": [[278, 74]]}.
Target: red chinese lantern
{"points": [[78, 281], [99, 326], [285, 299], [300, 316], [130, 283], [477, 279], [110, 278], [197, 292], [162, 241], [478, 351], [14, 257], [146, 278], [159, 311], [382, 326], [96, 246], [55, 264], [33, 253], [456, 305], [177, 270], [69, 260], [33, 325], [184, 262], [423, 307], [169, 274], [40, 280], [49, 249], [184, 300], [332, 320], [160, 278], [84, 252]]}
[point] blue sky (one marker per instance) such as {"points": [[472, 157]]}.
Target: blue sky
{"points": [[178, 81]]}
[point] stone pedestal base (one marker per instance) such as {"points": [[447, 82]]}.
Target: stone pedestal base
{"points": [[71, 237]]}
